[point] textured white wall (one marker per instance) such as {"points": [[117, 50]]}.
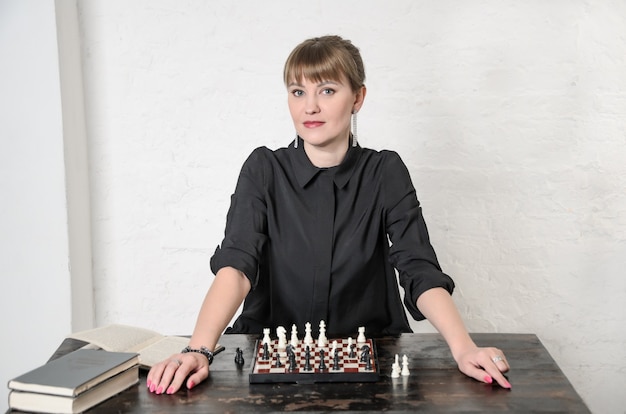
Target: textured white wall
{"points": [[510, 116]]}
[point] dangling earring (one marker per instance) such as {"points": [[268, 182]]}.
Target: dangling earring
{"points": [[354, 134], [295, 144]]}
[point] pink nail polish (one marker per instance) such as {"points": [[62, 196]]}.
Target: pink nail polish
{"points": [[148, 383], [159, 390], [152, 386], [170, 390], [507, 384], [488, 379], [191, 384]]}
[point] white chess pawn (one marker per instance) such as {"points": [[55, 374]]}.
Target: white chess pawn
{"points": [[361, 338], [294, 335], [308, 339], [405, 366]]}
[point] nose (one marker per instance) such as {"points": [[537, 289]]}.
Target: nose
{"points": [[311, 106]]}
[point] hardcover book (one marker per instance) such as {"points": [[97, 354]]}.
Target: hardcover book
{"points": [[47, 403], [74, 373], [74, 382]]}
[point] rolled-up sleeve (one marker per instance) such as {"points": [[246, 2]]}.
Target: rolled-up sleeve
{"points": [[246, 223], [410, 252]]}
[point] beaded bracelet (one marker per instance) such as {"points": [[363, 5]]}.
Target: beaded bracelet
{"points": [[203, 350]]}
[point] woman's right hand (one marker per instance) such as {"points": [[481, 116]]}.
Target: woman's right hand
{"points": [[168, 376]]}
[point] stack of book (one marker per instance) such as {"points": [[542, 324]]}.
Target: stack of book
{"points": [[75, 382]]}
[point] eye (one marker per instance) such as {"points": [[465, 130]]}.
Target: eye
{"points": [[328, 91], [297, 92]]}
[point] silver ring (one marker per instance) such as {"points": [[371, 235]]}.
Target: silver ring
{"points": [[178, 361], [496, 359]]}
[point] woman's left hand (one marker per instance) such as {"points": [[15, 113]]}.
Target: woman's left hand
{"points": [[484, 364]]}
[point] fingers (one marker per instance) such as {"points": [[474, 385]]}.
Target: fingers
{"points": [[167, 376], [161, 376], [500, 361], [477, 373], [486, 365], [197, 378]]}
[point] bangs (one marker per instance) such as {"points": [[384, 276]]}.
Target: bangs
{"points": [[316, 63]]}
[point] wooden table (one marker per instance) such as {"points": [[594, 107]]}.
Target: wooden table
{"points": [[435, 384]]}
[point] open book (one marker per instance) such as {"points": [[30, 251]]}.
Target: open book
{"points": [[151, 346]]}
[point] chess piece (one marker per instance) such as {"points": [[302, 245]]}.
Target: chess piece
{"points": [[336, 360], [322, 366], [294, 335], [365, 353], [307, 359], [291, 357], [395, 368], [266, 352], [239, 357], [308, 339], [266, 336], [395, 371], [290, 349], [361, 337], [368, 364], [321, 339], [292, 362], [352, 348], [405, 366], [281, 332], [279, 364]]}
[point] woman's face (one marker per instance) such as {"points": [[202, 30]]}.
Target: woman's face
{"points": [[321, 111]]}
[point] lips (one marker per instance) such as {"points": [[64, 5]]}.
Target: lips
{"points": [[313, 124]]}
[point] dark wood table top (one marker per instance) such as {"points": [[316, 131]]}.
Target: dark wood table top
{"points": [[435, 384]]}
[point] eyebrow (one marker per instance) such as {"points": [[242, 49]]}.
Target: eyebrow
{"points": [[323, 83]]}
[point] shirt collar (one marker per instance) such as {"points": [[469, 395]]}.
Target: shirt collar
{"points": [[305, 171]]}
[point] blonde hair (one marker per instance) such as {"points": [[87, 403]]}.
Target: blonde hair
{"points": [[325, 58]]}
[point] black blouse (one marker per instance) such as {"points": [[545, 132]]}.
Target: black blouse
{"points": [[322, 244]]}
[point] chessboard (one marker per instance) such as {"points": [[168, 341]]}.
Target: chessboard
{"points": [[273, 365]]}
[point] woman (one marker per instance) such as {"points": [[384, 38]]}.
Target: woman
{"points": [[315, 231]]}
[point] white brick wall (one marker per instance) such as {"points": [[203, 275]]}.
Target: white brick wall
{"points": [[510, 115]]}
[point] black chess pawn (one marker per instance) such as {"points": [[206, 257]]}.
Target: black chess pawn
{"points": [[322, 366], [239, 357], [278, 362]]}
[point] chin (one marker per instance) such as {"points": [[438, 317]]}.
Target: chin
{"points": [[319, 141]]}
